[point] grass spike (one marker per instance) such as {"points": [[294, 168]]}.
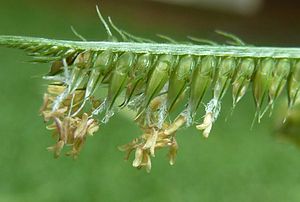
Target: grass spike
{"points": [[155, 78]]}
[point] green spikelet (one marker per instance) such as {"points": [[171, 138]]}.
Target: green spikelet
{"points": [[223, 78], [202, 77], [119, 77], [137, 76], [262, 82], [279, 78], [178, 80], [242, 79], [159, 77]]}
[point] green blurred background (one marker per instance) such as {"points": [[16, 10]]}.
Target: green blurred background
{"points": [[234, 164]]}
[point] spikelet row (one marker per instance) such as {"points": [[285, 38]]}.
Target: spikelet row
{"points": [[88, 86], [157, 86]]}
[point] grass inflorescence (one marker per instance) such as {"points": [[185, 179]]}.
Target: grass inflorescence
{"points": [[156, 80]]}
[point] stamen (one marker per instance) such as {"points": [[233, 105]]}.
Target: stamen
{"points": [[212, 110]]}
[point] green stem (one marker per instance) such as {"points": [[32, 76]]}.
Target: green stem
{"points": [[154, 48]]}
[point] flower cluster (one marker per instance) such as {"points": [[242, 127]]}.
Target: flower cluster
{"points": [[154, 138], [155, 86], [67, 130]]}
